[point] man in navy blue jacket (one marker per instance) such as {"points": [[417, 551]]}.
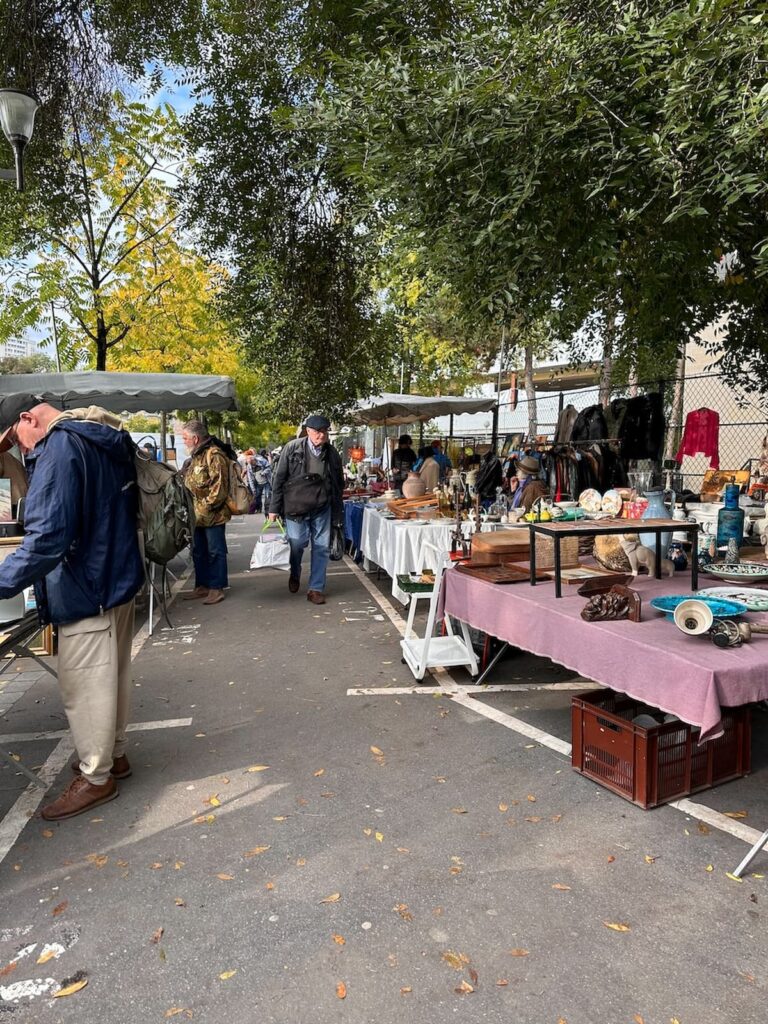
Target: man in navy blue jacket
{"points": [[80, 551]]}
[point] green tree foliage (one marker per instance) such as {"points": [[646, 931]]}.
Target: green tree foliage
{"points": [[72, 54], [581, 163], [121, 274]]}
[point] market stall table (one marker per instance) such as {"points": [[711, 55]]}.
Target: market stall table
{"points": [[396, 544], [650, 660]]}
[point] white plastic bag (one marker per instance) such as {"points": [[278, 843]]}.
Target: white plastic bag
{"points": [[272, 550], [271, 553]]}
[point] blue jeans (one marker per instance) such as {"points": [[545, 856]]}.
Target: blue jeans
{"points": [[317, 527], [209, 555]]}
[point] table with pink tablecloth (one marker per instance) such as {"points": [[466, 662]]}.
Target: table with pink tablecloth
{"points": [[650, 660]]}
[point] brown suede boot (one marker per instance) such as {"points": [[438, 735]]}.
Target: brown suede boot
{"points": [[79, 796], [121, 768], [196, 594], [315, 596], [214, 597]]}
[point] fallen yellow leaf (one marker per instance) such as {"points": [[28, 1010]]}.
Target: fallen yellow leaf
{"points": [[48, 833], [319, 772], [226, 878], [735, 814], [464, 988], [649, 860], [375, 750], [710, 867], [519, 952], [71, 989], [226, 975], [459, 810], [379, 837], [341, 990], [178, 865], [179, 902], [339, 940], [403, 911], [257, 768], [403, 849], [503, 808], [256, 851], [270, 886], [733, 878], [616, 926], [456, 960], [176, 1010], [301, 862], [406, 990], [502, 982], [561, 887], [638, 1019], [214, 801], [45, 957], [531, 798], [156, 866], [99, 859], [333, 898], [280, 817]]}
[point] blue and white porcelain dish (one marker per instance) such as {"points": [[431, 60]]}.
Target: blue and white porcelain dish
{"points": [[739, 572], [721, 609]]}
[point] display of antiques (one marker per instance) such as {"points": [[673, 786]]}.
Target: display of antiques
{"points": [[638, 555]]}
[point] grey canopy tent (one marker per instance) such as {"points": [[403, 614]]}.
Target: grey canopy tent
{"points": [[394, 410], [125, 392]]}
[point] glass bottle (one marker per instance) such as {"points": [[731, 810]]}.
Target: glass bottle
{"points": [[730, 518]]}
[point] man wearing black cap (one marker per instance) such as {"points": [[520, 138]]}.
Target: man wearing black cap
{"points": [[80, 551], [307, 489]]}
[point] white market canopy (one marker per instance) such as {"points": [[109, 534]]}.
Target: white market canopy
{"points": [[125, 392], [395, 410]]}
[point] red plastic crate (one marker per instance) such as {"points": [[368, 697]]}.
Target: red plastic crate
{"points": [[655, 765]]}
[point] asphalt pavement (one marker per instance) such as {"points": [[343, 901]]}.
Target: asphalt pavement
{"points": [[287, 852]]}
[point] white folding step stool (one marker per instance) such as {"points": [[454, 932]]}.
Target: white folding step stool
{"points": [[421, 653]]}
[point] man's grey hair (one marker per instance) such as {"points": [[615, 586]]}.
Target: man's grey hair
{"points": [[196, 429]]}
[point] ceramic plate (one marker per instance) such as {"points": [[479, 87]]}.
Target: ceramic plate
{"points": [[755, 600], [611, 503], [740, 572], [591, 500], [720, 609]]}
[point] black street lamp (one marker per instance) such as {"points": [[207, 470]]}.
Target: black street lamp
{"points": [[17, 119]]}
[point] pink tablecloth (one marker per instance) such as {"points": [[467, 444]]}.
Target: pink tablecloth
{"points": [[650, 660]]}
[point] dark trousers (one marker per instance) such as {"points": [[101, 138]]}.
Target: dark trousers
{"points": [[209, 555]]}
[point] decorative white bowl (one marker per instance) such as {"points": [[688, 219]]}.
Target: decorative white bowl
{"points": [[693, 617]]}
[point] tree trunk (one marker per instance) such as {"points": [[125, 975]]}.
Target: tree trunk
{"points": [[101, 341], [604, 387], [675, 421], [633, 381], [530, 394]]}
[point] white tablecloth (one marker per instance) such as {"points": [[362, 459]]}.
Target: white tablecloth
{"points": [[396, 544]]}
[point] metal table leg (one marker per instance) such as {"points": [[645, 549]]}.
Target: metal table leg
{"points": [[752, 854]]}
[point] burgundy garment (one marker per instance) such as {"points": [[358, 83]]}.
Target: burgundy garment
{"points": [[701, 436]]}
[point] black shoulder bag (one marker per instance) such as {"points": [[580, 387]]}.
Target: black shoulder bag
{"points": [[304, 493]]}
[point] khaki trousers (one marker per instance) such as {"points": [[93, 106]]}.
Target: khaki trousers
{"points": [[95, 682]]}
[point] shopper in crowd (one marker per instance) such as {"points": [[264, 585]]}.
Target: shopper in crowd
{"points": [[403, 459], [81, 552], [527, 486], [441, 459], [258, 470], [207, 479], [428, 468], [307, 489]]}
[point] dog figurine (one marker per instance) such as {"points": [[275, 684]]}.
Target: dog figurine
{"points": [[639, 556]]}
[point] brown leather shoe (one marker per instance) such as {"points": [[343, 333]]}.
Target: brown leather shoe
{"points": [[79, 796], [196, 594], [293, 584], [214, 597], [316, 597], [121, 768]]}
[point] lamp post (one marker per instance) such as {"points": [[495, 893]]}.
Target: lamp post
{"points": [[17, 119]]}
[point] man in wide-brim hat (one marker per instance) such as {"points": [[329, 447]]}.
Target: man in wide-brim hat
{"points": [[527, 485]]}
